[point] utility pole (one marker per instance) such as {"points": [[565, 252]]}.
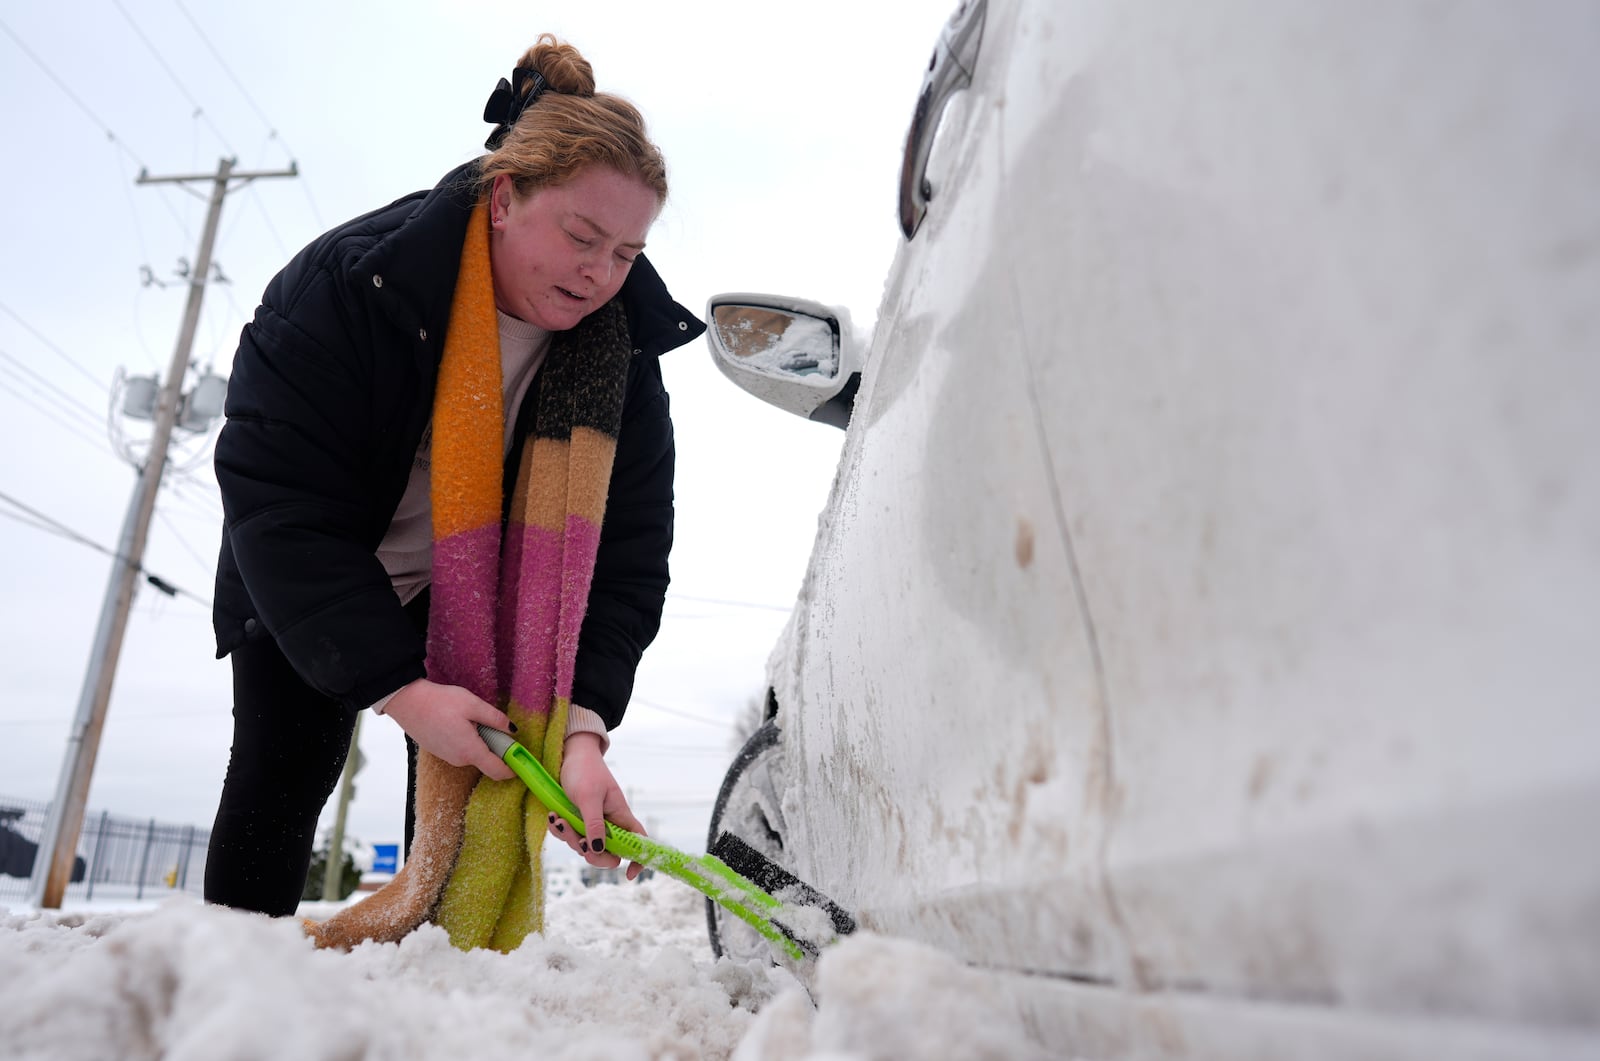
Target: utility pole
{"points": [[333, 868], [52, 867]]}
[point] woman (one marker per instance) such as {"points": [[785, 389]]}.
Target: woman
{"points": [[447, 479]]}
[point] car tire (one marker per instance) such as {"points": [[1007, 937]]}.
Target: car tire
{"points": [[749, 805]]}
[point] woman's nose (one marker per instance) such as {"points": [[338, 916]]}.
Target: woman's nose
{"points": [[596, 267]]}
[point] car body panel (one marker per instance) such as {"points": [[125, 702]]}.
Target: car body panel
{"points": [[1203, 616]]}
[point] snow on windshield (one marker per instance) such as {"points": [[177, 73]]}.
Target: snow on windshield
{"points": [[623, 973]]}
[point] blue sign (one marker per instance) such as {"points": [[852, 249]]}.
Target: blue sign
{"points": [[385, 858]]}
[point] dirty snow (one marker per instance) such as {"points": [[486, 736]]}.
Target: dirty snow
{"points": [[624, 972]]}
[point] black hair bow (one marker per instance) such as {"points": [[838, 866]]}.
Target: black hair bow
{"points": [[508, 100]]}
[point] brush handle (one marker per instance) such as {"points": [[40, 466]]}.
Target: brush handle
{"points": [[707, 874]]}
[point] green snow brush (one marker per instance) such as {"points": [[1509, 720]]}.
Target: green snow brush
{"points": [[783, 922]]}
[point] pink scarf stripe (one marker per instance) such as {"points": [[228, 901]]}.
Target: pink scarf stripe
{"points": [[530, 617], [582, 543], [461, 624]]}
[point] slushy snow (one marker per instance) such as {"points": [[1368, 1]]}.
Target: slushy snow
{"points": [[624, 972]]}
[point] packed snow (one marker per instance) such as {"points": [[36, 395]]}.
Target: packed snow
{"points": [[624, 972]]}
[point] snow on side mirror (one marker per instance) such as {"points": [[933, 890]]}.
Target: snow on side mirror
{"points": [[789, 352]]}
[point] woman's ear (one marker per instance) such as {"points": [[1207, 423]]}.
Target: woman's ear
{"points": [[499, 199]]}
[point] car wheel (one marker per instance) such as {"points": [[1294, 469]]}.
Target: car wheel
{"points": [[750, 806]]}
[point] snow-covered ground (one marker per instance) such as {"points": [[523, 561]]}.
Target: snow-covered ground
{"points": [[624, 972]]}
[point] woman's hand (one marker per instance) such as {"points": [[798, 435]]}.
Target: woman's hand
{"points": [[443, 718], [589, 783]]}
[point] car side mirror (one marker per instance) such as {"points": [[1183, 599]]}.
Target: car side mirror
{"points": [[789, 352]]}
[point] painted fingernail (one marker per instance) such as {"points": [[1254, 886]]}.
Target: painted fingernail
{"points": [[561, 827], [551, 817], [598, 844], [513, 726]]}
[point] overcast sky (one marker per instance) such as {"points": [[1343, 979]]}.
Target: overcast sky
{"points": [[782, 128]]}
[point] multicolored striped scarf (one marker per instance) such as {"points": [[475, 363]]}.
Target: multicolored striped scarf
{"points": [[507, 603]]}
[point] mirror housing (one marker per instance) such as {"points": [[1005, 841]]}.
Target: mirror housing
{"points": [[790, 352]]}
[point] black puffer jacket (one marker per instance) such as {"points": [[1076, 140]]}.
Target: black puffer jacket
{"points": [[331, 390]]}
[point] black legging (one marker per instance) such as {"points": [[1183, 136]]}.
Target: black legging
{"points": [[289, 746]]}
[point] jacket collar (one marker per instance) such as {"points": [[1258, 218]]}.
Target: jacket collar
{"points": [[656, 322], [412, 270]]}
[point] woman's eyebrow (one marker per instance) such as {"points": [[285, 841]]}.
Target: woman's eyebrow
{"points": [[602, 233]]}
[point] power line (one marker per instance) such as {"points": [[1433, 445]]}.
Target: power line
{"points": [[60, 411], [61, 530], [231, 75], [73, 96], [90, 376], [644, 799], [188, 507], [199, 111], [44, 381], [652, 705], [186, 615], [200, 492], [229, 228], [672, 796], [238, 310], [672, 749], [116, 141], [188, 489], [267, 217], [731, 603], [27, 521], [238, 217], [76, 432], [133, 211], [138, 328], [177, 216], [272, 129], [205, 565], [56, 527], [311, 201]]}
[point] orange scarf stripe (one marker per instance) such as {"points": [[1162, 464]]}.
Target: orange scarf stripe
{"points": [[541, 501], [468, 437], [546, 501], [589, 473]]}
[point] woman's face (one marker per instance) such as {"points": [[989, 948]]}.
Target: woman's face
{"points": [[562, 252]]}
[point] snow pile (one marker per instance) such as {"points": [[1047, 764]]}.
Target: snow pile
{"points": [[624, 973], [884, 998]]}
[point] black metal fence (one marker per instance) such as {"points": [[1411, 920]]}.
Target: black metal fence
{"points": [[117, 858]]}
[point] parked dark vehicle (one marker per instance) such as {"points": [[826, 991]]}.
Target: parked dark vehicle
{"points": [[17, 852]]}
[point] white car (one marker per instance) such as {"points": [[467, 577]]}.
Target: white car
{"points": [[1202, 631]]}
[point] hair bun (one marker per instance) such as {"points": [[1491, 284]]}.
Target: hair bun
{"points": [[563, 67], [546, 140]]}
